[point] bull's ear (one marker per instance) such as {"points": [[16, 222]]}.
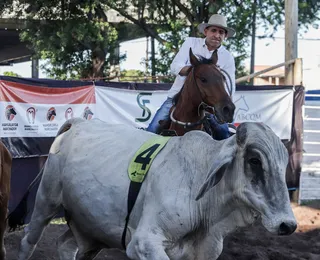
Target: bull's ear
{"points": [[217, 170], [193, 59]]}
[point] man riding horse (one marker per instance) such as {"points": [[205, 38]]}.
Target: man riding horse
{"points": [[216, 30]]}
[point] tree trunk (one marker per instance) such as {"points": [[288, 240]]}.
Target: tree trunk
{"points": [[253, 39], [98, 60], [153, 60]]}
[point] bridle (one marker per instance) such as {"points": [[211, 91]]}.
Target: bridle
{"points": [[230, 87], [203, 105]]}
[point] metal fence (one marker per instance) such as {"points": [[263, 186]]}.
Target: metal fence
{"points": [[310, 174]]}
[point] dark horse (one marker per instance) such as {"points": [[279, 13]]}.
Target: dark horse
{"points": [[203, 90]]}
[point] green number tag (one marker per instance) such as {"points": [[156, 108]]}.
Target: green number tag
{"points": [[143, 158]]}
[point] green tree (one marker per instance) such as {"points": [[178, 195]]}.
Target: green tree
{"points": [[78, 42], [179, 18], [131, 75], [6, 6], [74, 37], [11, 74]]}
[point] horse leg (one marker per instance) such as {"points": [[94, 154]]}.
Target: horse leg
{"points": [[47, 205], [3, 225], [67, 246]]}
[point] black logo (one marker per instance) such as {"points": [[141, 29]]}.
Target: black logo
{"points": [[87, 113], [10, 112], [51, 114], [146, 112]]}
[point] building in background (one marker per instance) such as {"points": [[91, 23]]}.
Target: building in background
{"points": [[273, 77]]}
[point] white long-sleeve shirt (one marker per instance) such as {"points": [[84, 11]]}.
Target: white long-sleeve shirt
{"points": [[199, 48]]}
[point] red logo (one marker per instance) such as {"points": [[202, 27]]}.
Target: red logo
{"points": [[10, 112]]}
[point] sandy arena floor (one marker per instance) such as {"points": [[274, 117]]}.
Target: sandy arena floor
{"points": [[252, 243]]}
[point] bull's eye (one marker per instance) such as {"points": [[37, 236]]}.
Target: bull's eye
{"points": [[255, 162], [203, 80]]}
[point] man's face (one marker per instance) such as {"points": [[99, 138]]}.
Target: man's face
{"points": [[214, 36]]}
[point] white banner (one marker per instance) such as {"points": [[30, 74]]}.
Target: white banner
{"points": [[39, 120], [32, 111], [272, 107], [128, 106]]}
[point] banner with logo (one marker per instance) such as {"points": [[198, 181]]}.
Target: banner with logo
{"points": [[272, 107], [137, 108], [129, 107], [34, 111]]}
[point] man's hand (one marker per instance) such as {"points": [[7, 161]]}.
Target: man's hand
{"points": [[185, 70]]}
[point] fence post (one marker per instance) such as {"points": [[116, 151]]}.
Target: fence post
{"points": [[298, 73], [291, 38]]}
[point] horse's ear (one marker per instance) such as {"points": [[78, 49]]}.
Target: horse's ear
{"points": [[193, 59], [214, 57]]}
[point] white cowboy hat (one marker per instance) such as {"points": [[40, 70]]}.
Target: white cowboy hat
{"points": [[219, 21]]}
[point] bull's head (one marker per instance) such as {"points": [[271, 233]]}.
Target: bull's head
{"points": [[253, 166]]}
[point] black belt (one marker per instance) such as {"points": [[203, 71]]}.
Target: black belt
{"points": [[133, 193]]}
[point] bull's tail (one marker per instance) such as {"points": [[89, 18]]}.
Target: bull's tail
{"points": [[17, 216]]}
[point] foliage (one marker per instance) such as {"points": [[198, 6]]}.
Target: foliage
{"points": [[180, 18], [5, 6], [131, 75], [11, 74], [74, 37]]}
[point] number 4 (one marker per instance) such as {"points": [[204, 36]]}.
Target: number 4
{"points": [[144, 158]]}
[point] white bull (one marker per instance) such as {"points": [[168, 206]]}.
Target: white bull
{"points": [[178, 214]]}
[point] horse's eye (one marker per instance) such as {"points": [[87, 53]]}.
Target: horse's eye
{"points": [[255, 162], [203, 80]]}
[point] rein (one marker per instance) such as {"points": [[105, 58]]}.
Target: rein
{"points": [[230, 87]]}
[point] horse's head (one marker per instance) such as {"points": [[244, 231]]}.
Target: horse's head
{"points": [[210, 83]]}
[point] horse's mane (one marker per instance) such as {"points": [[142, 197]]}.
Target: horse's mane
{"points": [[202, 60]]}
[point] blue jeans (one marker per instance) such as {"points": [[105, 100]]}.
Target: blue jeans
{"points": [[161, 114], [221, 131]]}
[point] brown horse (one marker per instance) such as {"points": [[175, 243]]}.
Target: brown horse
{"points": [[203, 90]]}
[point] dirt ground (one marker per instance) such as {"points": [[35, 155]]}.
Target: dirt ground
{"points": [[252, 243]]}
